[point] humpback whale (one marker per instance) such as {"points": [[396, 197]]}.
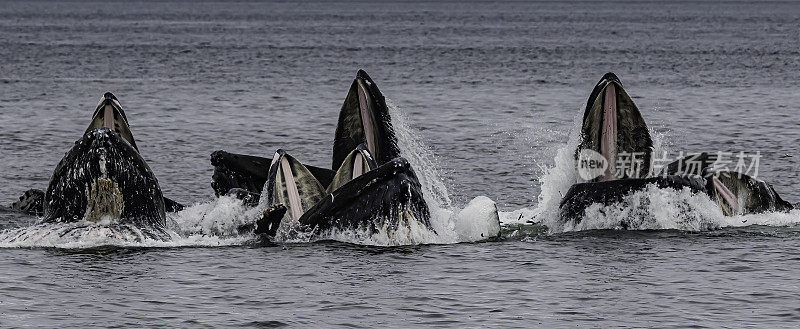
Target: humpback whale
{"points": [[370, 186], [613, 130], [613, 126], [736, 193], [102, 178]]}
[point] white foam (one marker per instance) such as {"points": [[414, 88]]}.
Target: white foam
{"points": [[557, 180], [208, 224], [475, 222], [648, 209], [519, 216], [220, 217], [452, 224], [479, 220], [411, 233], [90, 235]]}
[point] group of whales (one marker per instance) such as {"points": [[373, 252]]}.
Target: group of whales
{"points": [[369, 186]]}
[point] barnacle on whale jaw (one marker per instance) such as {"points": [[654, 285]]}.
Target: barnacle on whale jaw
{"points": [[103, 201]]}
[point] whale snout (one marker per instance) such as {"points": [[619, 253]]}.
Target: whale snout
{"points": [[608, 77], [109, 114]]}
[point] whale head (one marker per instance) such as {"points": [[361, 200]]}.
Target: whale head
{"points": [[364, 118], [613, 127], [103, 178], [109, 114]]}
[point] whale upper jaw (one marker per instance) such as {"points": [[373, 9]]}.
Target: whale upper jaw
{"points": [[613, 126], [109, 114], [364, 118]]}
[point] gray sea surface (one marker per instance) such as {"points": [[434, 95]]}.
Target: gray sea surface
{"points": [[492, 89]]}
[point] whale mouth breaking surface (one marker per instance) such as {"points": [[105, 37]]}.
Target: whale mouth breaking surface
{"points": [[614, 126], [382, 198], [109, 114], [369, 186], [364, 119], [369, 189], [103, 193], [641, 199], [372, 189], [104, 179], [103, 183]]}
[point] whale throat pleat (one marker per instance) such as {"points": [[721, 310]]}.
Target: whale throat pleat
{"points": [[358, 162], [358, 166], [108, 118], [294, 186]]}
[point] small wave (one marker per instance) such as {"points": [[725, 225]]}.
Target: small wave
{"points": [[649, 209], [469, 224], [206, 225], [84, 235]]}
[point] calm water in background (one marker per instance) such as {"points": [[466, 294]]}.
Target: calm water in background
{"points": [[493, 90]]}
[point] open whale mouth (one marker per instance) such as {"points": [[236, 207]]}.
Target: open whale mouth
{"points": [[109, 114], [366, 106], [103, 178], [361, 195], [369, 184], [608, 135], [364, 119], [614, 127], [292, 184]]}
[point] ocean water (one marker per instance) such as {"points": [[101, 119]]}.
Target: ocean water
{"points": [[488, 93]]}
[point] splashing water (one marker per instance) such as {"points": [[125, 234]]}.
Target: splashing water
{"points": [[421, 159], [216, 222], [212, 223], [649, 209], [451, 225], [220, 217]]}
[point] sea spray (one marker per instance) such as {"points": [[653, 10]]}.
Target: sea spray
{"points": [[206, 224], [648, 209], [444, 217], [81, 235], [220, 217], [421, 159], [450, 223]]}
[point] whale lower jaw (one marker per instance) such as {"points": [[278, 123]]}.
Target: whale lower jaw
{"points": [[103, 179], [244, 176], [384, 199], [581, 196], [104, 201]]}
